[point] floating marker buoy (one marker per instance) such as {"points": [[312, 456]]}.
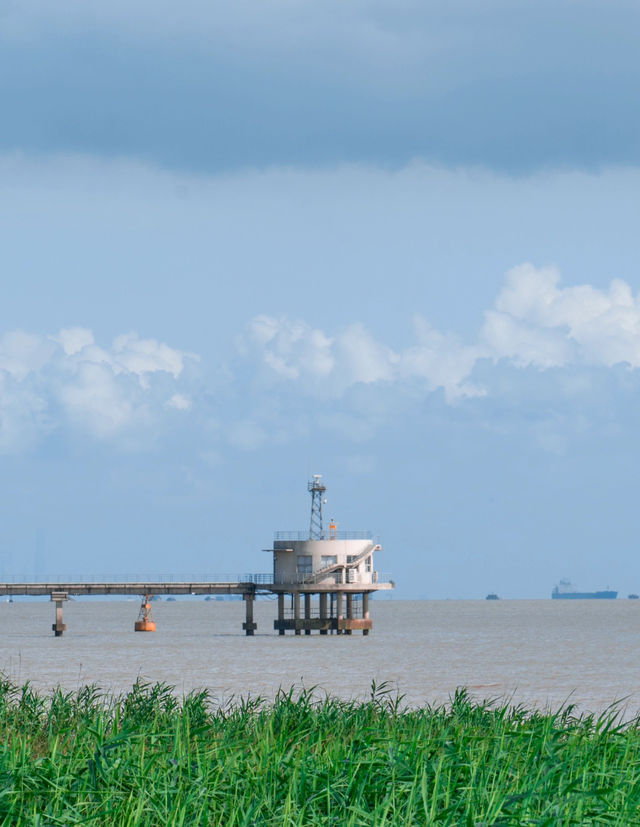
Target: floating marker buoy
{"points": [[145, 623]]}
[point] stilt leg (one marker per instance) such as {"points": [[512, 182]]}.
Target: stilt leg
{"points": [[307, 611], [349, 611], [249, 626], [365, 610], [339, 610], [296, 610], [59, 627], [281, 611], [323, 611]]}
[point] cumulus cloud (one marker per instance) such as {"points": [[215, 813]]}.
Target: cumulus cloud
{"points": [[74, 339], [126, 387], [442, 360], [292, 351], [534, 322], [49, 381], [23, 353], [288, 348]]}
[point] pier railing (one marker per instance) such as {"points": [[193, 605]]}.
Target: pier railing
{"points": [[326, 535], [137, 577], [257, 579]]}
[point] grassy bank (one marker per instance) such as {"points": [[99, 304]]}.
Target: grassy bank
{"points": [[146, 758]]}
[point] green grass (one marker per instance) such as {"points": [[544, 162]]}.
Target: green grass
{"points": [[148, 758]]}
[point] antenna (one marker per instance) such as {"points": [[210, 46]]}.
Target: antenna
{"points": [[317, 489]]}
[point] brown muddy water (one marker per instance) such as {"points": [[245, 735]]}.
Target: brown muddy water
{"points": [[538, 652]]}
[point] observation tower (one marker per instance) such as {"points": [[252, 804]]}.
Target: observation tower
{"points": [[332, 569]]}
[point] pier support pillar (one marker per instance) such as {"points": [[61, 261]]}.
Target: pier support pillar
{"points": [[281, 611], [365, 610], [307, 612], [323, 611], [339, 611], [296, 610], [59, 598], [349, 597], [249, 626]]}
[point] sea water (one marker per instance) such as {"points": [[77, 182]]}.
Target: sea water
{"points": [[541, 653]]}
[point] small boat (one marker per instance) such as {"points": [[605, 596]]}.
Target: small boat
{"points": [[633, 597], [492, 596]]}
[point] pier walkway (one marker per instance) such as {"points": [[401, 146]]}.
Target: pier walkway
{"points": [[328, 618]]}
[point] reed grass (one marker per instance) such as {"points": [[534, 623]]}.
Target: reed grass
{"points": [[149, 758]]}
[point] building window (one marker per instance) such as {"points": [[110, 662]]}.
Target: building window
{"points": [[305, 565], [329, 560], [367, 565]]}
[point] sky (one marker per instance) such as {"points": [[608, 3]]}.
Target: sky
{"points": [[394, 243]]}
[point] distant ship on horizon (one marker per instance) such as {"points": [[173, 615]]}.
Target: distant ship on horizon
{"points": [[565, 591]]}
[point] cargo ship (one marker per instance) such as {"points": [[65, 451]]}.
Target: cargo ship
{"points": [[565, 591]]}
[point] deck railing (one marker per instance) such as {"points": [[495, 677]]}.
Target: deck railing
{"points": [[258, 579], [137, 577], [308, 579], [327, 534]]}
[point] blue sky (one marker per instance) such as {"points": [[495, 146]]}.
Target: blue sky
{"points": [[393, 243]]}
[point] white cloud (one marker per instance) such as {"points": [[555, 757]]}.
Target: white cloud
{"points": [[74, 339], [442, 360], [293, 351], [360, 358], [142, 356], [289, 349], [47, 381], [125, 388], [23, 415], [536, 322], [23, 353], [98, 401], [180, 402]]}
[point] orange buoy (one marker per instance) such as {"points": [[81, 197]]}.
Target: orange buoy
{"points": [[145, 623]]}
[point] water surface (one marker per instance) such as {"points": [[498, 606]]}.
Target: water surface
{"points": [[541, 652]]}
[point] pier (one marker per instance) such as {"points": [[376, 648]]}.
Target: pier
{"points": [[322, 581], [324, 609]]}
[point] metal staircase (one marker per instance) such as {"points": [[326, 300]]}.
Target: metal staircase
{"points": [[320, 573]]}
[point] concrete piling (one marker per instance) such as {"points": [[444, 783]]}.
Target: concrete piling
{"points": [[339, 613], [324, 618], [307, 613], [296, 612], [249, 626], [59, 599], [349, 600], [280, 613]]}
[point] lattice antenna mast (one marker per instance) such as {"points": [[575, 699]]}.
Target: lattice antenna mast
{"points": [[317, 489]]}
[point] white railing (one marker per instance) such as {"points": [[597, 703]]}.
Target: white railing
{"points": [[129, 577], [327, 534], [303, 579]]}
